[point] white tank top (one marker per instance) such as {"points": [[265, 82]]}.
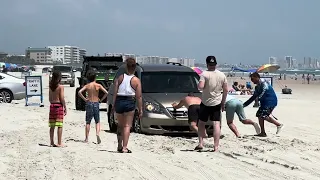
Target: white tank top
{"points": [[125, 88]]}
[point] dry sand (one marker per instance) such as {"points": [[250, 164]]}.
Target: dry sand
{"points": [[293, 154]]}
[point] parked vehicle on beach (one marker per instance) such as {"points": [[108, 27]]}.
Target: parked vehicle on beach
{"points": [[11, 88], [105, 68], [162, 84], [67, 74]]}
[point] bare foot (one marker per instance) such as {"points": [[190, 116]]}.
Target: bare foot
{"points": [[215, 149], [85, 141], [53, 145]]}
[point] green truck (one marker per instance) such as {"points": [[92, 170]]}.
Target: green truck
{"points": [[105, 68]]}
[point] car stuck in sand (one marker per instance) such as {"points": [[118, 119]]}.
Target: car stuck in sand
{"points": [[162, 84]]}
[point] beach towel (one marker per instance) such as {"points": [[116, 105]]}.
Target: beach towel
{"points": [[56, 115]]}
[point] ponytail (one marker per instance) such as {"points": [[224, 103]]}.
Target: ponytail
{"points": [[55, 80]]}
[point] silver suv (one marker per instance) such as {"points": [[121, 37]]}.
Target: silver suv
{"points": [[67, 72], [161, 86]]}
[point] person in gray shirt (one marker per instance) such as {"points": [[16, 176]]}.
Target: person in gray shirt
{"points": [[212, 83]]}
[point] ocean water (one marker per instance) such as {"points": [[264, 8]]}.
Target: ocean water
{"points": [[299, 72]]}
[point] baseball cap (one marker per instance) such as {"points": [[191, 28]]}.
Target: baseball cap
{"points": [[211, 60]]}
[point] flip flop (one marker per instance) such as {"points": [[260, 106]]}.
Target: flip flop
{"points": [[261, 135], [128, 151], [198, 148]]}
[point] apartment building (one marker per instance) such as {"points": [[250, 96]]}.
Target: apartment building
{"points": [[40, 55], [273, 60], [67, 54], [3, 55], [155, 59]]}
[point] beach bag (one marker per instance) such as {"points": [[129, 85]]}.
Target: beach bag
{"points": [[286, 91]]}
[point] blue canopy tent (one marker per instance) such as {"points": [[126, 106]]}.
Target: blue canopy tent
{"points": [[243, 70], [8, 65]]}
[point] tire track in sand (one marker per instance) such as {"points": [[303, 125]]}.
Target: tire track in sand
{"points": [[163, 169], [143, 170], [200, 168], [205, 170]]}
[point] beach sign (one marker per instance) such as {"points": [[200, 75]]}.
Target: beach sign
{"points": [[34, 88]]}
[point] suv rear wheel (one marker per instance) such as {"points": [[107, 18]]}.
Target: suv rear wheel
{"points": [[111, 121], [136, 125], [80, 104]]}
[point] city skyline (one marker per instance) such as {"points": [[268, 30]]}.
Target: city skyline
{"points": [[73, 54], [289, 62]]}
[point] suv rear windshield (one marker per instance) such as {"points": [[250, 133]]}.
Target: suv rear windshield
{"points": [[105, 68], [62, 68], [169, 82]]}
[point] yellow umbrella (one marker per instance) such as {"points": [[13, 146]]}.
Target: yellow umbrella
{"points": [[270, 68]]}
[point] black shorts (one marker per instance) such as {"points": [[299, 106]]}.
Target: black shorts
{"points": [[212, 113], [193, 113], [264, 112]]}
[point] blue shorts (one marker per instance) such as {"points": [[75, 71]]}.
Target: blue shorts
{"points": [[92, 111], [234, 106], [125, 104]]}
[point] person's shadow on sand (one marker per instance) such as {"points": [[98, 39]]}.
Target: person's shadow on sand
{"points": [[104, 150], [192, 150], [45, 145]]}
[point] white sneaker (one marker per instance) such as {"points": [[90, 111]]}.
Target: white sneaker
{"points": [[257, 128], [279, 128]]}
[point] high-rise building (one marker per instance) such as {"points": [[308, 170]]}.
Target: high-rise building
{"points": [[288, 60], [39, 55], [273, 60], [67, 54], [294, 63], [82, 53], [309, 62]]}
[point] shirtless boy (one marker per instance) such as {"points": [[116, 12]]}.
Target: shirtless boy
{"points": [[92, 103], [57, 107], [192, 103]]}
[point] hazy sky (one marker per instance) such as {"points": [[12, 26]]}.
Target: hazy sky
{"points": [[234, 31]]}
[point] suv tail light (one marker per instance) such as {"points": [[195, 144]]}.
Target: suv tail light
{"points": [[24, 84]]}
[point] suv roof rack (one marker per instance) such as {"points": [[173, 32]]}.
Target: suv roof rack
{"points": [[174, 63]]}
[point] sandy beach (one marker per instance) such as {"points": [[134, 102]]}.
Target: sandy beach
{"points": [[293, 154]]}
